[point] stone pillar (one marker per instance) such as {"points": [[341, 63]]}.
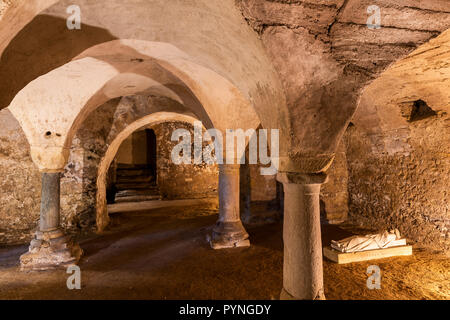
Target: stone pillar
{"points": [[49, 219], [50, 248], [229, 231], [302, 268]]}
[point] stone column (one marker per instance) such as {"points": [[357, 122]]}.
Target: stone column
{"points": [[229, 231], [49, 218], [302, 268], [50, 248]]}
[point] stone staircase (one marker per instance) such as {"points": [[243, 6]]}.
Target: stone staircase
{"points": [[135, 183]]}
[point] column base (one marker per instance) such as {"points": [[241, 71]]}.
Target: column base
{"points": [[229, 235], [284, 295], [50, 250]]}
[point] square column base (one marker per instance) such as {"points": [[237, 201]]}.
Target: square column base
{"points": [[50, 250]]}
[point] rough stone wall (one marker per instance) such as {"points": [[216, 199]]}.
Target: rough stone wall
{"points": [[324, 54], [403, 187], [184, 181], [338, 29], [4, 4], [20, 182], [78, 185], [334, 193]]}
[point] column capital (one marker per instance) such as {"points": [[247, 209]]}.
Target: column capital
{"points": [[302, 178], [50, 159], [306, 163]]}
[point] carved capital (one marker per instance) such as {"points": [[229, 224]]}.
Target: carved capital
{"points": [[302, 178], [50, 159], [305, 163]]}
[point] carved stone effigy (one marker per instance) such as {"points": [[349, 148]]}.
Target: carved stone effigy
{"points": [[369, 242]]}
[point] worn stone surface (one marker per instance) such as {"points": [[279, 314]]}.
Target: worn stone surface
{"points": [[330, 56], [405, 187], [229, 234], [21, 180], [398, 149], [302, 267], [20, 183], [229, 231], [184, 181], [304, 70], [50, 250], [326, 55]]}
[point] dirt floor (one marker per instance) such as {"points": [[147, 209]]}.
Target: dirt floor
{"points": [[162, 253]]}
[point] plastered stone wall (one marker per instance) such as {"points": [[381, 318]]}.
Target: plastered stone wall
{"points": [[400, 179]]}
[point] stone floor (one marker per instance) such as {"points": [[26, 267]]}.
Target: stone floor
{"points": [[162, 253]]}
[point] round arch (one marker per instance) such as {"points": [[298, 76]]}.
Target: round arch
{"points": [[219, 40], [102, 216], [113, 69], [424, 75]]}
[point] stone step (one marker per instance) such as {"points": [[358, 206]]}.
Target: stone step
{"points": [[135, 179], [132, 186], [137, 198], [136, 195], [138, 192], [134, 173]]}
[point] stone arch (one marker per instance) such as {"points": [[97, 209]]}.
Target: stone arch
{"points": [[114, 69], [421, 76], [17, 15], [228, 39], [151, 119]]}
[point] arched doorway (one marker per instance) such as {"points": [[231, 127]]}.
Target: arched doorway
{"points": [[132, 175]]}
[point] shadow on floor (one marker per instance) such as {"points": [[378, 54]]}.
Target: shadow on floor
{"points": [[163, 254]]}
